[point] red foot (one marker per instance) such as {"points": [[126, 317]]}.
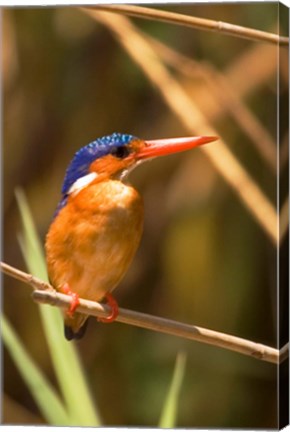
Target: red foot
{"points": [[114, 309], [74, 299]]}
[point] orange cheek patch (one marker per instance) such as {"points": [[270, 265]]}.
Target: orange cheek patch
{"points": [[109, 165]]}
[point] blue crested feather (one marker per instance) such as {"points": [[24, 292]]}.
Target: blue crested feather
{"points": [[83, 158]]}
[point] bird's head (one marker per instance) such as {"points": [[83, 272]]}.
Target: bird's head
{"points": [[113, 156]]}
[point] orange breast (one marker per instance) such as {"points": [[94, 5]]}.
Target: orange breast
{"points": [[93, 239]]}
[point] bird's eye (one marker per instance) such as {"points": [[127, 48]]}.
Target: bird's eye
{"points": [[120, 152]]}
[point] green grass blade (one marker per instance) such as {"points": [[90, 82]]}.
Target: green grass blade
{"points": [[44, 395], [67, 366], [169, 411]]}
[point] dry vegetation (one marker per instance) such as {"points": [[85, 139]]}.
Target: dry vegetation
{"points": [[216, 235]]}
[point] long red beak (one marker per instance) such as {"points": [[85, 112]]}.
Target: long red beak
{"points": [[162, 147]]}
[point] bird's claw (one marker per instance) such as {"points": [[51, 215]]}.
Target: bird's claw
{"points": [[114, 309], [74, 299]]}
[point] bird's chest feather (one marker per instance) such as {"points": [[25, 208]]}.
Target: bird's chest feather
{"points": [[93, 239]]}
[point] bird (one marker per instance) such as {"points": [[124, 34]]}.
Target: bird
{"points": [[98, 222]]}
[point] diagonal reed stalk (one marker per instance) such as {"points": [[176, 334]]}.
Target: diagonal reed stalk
{"points": [[191, 117], [229, 102]]}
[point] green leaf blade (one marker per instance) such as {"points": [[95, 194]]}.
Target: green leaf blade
{"points": [[169, 412], [42, 391], [67, 366]]}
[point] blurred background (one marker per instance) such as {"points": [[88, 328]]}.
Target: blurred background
{"points": [[204, 258]]}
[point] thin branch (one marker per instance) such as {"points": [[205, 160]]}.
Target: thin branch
{"points": [[174, 328], [27, 278], [191, 117], [195, 22]]}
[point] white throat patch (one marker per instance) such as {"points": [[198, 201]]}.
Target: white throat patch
{"points": [[82, 182]]}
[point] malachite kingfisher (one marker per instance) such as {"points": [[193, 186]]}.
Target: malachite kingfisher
{"points": [[98, 222]]}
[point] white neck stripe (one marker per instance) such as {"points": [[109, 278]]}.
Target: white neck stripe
{"points": [[82, 182]]}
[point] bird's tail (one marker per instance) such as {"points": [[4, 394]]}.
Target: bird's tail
{"points": [[75, 327]]}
